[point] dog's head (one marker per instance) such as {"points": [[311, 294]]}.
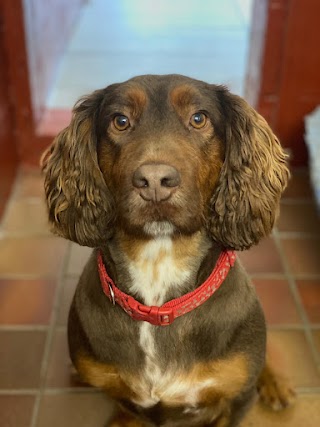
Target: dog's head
{"points": [[163, 155]]}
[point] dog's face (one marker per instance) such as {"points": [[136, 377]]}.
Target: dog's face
{"points": [[164, 155], [159, 153]]}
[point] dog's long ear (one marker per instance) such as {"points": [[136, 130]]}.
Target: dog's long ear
{"points": [[79, 203], [254, 174]]}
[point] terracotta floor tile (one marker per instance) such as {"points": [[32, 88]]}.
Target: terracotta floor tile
{"points": [[26, 301], [3, 205], [277, 301], [299, 218], [304, 413], [26, 216], [302, 255], [20, 358], [290, 355], [299, 185], [60, 370], [16, 411], [75, 410], [316, 338], [78, 258], [263, 258], [68, 291], [41, 257], [29, 183], [310, 295]]}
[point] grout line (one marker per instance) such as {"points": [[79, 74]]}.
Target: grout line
{"points": [[307, 390], [282, 276], [309, 276], [299, 201], [18, 392], [297, 299], [31, 199], [40, 235], [268, 276], [25, 276], [9, 234], [298, 235], [36, 200], [70, 390], [61, 328], [48, 391], [24, 328], [49, 339], [285, 327]]}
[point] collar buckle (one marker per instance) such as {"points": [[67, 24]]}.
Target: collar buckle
{"points": [[158, 316]]}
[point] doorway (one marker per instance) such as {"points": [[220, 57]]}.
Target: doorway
{"points": [[114, 41]]}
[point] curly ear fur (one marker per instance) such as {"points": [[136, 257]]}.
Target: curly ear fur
{"points": [[246, 200], [79, 203]]}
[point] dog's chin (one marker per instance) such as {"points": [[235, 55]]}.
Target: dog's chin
{"points": [[159, 229]]}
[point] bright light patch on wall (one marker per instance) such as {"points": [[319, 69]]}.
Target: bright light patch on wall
{"points": [[148, 16]]}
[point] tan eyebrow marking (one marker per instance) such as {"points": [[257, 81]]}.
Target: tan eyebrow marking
{"points": [[184, 97], [137, 101]]}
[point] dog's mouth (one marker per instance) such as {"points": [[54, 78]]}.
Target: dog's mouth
{"points": [[145, 212], [165, 218]]}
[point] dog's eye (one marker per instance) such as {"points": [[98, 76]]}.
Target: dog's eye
{"points": [[198, 120], [121, 122]]}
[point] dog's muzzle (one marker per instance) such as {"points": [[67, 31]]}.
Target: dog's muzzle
{"points": [[156, 182]]}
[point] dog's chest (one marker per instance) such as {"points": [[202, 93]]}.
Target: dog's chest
{"points": [[174, 378], [199, 391], [153, 275], [163, 380]]}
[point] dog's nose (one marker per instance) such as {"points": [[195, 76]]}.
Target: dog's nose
{"points": [[156, 182]]}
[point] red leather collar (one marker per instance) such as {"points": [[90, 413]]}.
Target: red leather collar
{"points": [[168, 312]]}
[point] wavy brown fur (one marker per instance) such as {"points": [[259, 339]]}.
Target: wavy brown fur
{"points": [[79, 203], [245, 203]]}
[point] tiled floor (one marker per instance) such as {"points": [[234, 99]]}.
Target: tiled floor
{"points": [[38, 275], [116, 40]]}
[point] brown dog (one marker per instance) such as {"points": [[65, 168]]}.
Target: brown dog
{"points": [[165, 176]]}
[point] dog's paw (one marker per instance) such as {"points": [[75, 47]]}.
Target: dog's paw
{"points": [[275, 391]]}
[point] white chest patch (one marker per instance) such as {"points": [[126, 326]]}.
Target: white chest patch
{"points": [[167, 386], [156, 271], [152, 276]]}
